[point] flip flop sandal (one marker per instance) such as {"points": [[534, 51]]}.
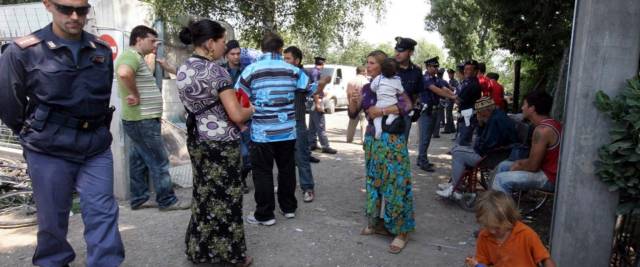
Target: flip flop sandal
{"points": [[368, 230], [397, 245], [247, 262]]}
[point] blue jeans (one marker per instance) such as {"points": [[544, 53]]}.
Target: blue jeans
{"points": [[317, 129], [54, 180], [509, 181], [427, 124], [245, 144], [147, 156], [302, 154], [462, 157]]}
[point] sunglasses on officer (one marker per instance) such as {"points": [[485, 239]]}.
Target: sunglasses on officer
{"points": [[68, 10]]}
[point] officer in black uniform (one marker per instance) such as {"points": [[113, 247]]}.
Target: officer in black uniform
{"points": [[55, 86], [410, 74]]}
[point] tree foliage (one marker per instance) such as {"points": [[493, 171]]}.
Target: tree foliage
{"points": [[318, 22], [619, 160], [354, 53], [537, 29], [464, 26]]}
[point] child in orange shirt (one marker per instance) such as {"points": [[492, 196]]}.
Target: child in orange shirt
{"points": [[504, 241]]}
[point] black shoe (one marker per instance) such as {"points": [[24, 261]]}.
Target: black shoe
{"points": [[328, 150], [313, 147], [313, 159], [436, 136], [427, 168]]}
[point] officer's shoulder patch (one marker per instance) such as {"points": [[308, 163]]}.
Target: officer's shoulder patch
{"points": [[27, 41], [102, 42]]}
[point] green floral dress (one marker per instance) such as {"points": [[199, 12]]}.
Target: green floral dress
{"points": [[216, 231], [388, 181]]}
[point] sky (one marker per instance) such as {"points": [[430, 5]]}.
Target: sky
{"points": [[402, 18]]}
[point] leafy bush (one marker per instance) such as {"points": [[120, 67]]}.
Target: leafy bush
{"points": [[619, 160]]}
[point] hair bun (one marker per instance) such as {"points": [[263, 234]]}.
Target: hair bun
{"points": [[185, 36]]}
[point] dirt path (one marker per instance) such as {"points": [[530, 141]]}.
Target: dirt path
{"points": [[324, 233]]}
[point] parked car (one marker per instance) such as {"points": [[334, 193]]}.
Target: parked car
{"points": [[335, 93]]}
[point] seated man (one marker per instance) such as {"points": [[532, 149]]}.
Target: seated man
{"points": [[496, 130], [539, 170]]}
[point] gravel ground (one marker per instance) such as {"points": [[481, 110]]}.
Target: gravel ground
{"points": [[324, 232]]}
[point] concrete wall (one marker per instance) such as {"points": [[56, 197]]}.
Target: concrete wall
{"points": [[605, 51]]}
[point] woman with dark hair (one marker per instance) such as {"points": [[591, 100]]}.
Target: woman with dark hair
{"points": [[216, 232], [389, 206]]}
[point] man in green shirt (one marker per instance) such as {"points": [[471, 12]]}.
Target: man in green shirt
{"points": [[141, 110]]}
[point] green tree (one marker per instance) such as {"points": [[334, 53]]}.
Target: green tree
{"points": [[465, 27], [426, 50], [319, 23]]}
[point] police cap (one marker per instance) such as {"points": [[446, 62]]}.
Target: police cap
{"points": [[319, 60], [432, 62], [403, 44]]}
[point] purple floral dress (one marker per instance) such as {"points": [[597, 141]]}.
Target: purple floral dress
{"points": [[215, 233], [200, 82]]}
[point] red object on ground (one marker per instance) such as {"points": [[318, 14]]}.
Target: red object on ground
{"points": [[243, 99]]}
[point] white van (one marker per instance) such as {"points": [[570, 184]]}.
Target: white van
{"points": [[335, 93]]}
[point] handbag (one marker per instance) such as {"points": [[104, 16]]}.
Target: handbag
{"points": [[396, 127]]}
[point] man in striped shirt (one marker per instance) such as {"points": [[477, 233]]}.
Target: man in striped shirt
{"points": [[141, 110], [271, 84]]}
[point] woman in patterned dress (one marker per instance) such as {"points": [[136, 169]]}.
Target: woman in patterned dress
{"points": [[389, 206], [215, 233]]}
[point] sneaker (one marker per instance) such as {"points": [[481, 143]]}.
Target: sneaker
{"points": [[328, 150], [443, 186], [252, 220], [288, 215], [178, 205], [313, 159], [309, 196], [445, 192], [456, 195]]}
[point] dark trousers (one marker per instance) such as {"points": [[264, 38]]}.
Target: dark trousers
{"points": [[54, 180], [449, 126], [262, 158]]}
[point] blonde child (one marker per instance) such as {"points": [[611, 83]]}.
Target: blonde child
{"points": [[504, 240]]}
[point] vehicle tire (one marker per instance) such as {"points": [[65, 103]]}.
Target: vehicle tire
{"points": [[17, 209], [331, 107]]}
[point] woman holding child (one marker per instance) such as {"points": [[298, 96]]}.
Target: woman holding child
{"points": [[389, 206], [215, 233]]}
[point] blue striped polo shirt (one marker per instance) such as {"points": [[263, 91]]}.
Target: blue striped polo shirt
{"points": [[271, 84]]}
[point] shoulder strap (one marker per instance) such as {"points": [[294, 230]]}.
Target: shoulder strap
{"points": [[27, 41]]}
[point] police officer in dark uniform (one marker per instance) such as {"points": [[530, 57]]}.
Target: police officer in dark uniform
{"points": [[317, 126], [434, 89], [55, 86], [410, 74]]}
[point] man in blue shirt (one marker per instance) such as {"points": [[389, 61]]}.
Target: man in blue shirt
{"points": [[410, 74], [430, 97], [271, 84], [233, 66]]}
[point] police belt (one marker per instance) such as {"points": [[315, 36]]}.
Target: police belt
{"points": [[76, 123]]}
